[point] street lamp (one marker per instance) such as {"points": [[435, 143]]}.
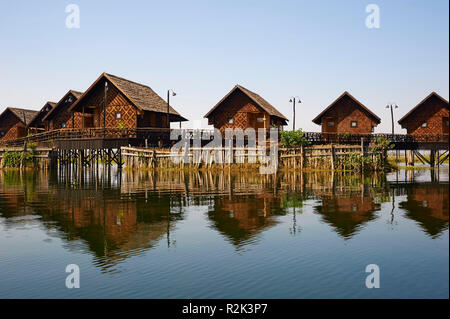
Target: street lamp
{"points": [[168, 105], [293, 100], [392, 106]]}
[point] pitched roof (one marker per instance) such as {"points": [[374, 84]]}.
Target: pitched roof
{"points": [[429, 96], [42, 113], [75, 94], [318, 118], [24, 115], [266, 106], [140, 95]]}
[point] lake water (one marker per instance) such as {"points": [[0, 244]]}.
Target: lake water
{"points": [[224, 234]]}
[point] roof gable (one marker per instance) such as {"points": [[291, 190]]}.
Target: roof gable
{"points": [[318, 118], [421, 103], [140, 96], [40, 115], [256, 98], [54, 110], [23, 115]]}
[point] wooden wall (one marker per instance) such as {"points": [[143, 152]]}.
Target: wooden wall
{"points": [[243, 111], [12, 127], [344, 112], [115, 102], [60, 116], [432, 112]]}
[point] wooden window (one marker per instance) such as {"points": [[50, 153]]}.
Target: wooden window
{"points": [[354, 124], [118, 115], [330, 123], [260, 120], [373, 129], [63, 125], [2, 133], [424, 124], [230, 120]]}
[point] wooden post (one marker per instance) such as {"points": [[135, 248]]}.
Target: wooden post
{"points": [[301, 157], [410, 158], [432, 158], [362, 146], [332, 157]]}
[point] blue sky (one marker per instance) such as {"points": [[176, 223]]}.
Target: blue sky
{"points": [[201, 49]]}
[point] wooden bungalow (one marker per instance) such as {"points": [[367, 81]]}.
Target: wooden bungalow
{"points": [[242, 108], [60, 116], [347, 115], [429, 117], [37, 125], [128, 105], [13, 122]]}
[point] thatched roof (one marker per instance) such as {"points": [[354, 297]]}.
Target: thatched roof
{"points": [[429, 96], [262, 103], [24, 115], [40, 115], [140, 95], [75, 94], [318, 118]]}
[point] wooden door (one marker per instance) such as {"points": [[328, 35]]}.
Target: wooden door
{"points": [[88, 121]]}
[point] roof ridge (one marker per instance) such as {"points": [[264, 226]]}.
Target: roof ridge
{"points": [[255, 97], [21, 109], [346, 93], [119, 77]]}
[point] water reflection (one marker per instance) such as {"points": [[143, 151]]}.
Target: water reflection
{"points": [[117, 214], [427, 204]]}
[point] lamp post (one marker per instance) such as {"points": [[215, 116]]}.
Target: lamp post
{"points": [[168, 106], [293, 100], [392, 106], [104, 110]]}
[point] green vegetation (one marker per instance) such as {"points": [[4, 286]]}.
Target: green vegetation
{"points": [[15, 159], [354, 161], [381, 144], [294, 138]]}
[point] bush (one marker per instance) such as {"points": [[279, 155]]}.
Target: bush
{"points": [[293, 138], [381, 144], [14, 159]]}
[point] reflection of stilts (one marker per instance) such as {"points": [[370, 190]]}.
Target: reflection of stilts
{"points": [[434, 175], [393, 206], [168, 229], [294, 223]]}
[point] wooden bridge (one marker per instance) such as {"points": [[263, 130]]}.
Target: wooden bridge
{"points": [[91, 144]]}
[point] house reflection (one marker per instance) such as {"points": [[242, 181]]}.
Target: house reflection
{"points": [[240, 218], [114, 227], [347, 215], [114, 216], [110, 225], [427, 204]]}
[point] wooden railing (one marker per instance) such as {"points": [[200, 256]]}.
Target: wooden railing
{"points": [[164, 133]]}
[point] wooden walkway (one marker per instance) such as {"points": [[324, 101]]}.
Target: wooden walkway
{"points": [[97, 144], [140, 136]]}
